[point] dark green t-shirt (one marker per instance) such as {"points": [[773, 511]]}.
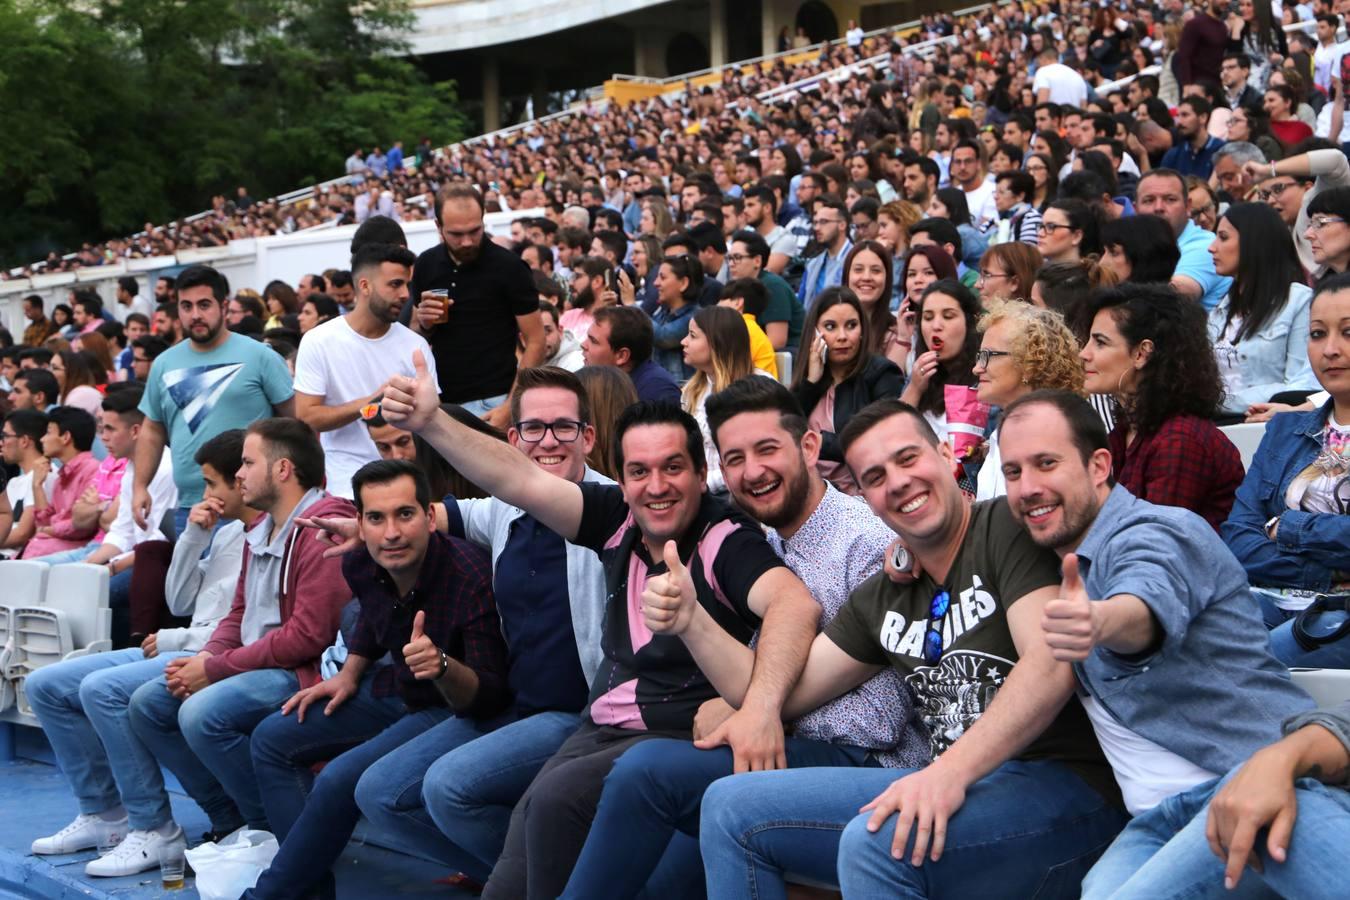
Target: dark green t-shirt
{"points": [[884, 624], [783, 306]]}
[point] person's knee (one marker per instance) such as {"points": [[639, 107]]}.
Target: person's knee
{"points": [[635, 773], [718, 814], [271, 743], [98, 690], [152, 708], [444, 790], [373, 794], [865, 856], [44, 687]]}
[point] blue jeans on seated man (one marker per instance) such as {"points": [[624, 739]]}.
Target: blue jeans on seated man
{"points": [[82, 704], [314, 817], [204, 739], [470, 791], [1026, 830], [79, 554], [654, 792], [1164, 852]]}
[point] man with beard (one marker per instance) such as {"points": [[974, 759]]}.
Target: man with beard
{"points": [[832, 542], [344, 363], [965, 636], [214, 381], [1174, 671], [491, 304], [659, 520], [920, 181]]}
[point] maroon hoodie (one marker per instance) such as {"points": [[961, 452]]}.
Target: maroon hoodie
{"points": [[313, 596]]}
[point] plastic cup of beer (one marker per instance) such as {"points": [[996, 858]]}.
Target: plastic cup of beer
{"points": [[172, 865], [441, 296]]}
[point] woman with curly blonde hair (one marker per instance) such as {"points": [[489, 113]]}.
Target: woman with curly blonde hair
{"points": [[1024, 348]]}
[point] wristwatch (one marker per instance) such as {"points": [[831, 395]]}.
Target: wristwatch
{"points": [[1271, 523], [445, 663]]}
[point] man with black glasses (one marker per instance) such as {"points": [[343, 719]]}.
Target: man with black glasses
{"points": [[827, 269]]}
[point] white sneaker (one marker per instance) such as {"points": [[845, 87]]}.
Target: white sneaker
{"points": [[139, 852], [82, 834]]}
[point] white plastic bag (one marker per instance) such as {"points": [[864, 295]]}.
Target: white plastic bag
{"points": [[228, 868]]}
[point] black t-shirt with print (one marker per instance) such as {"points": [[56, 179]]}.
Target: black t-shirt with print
{"points": [[884, 624], [647, 681]]}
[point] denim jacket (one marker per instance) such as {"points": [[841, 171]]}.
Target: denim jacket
{"points": [[668, 330], [834, 274], [1308, 547], [1275, 358], [1211, 692]]}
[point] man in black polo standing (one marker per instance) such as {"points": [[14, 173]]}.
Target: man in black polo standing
{"points": [[491, 298]]}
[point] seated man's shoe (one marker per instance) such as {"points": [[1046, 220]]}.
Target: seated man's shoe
{"points": [[138, 853], [81, 834]]}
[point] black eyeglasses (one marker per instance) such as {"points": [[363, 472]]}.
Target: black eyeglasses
{"points": [[982, 357], [565, 431], [932, 639]]}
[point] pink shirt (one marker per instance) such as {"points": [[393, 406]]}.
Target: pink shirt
{"points": [[108, 482], [71, 480]]}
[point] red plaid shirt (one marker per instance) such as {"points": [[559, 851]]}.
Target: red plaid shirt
{"points": [[1186, 463], [454, 589]]}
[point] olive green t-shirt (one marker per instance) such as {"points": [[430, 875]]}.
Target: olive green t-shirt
{"points": [[884, 624]]}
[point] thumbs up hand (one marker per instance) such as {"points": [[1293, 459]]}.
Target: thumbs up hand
{"points": [[420, 654], [410, 403], [668, 600], [1071, 624]]}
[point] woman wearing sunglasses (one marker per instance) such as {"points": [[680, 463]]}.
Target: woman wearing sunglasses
{"points": [[1290, 526]]}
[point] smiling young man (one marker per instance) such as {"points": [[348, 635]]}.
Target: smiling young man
{"points": [[426, 600], [1174, 671], [343, 364], [646, 685], [833, 543], [1018, 792]]}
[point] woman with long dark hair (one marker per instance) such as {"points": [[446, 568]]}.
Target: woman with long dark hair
{"points": [[1149, 348], [717, 348], [1253, 30], [835, 375], [867, 272], [945, 345], [1260, 329], [1043, 171]]}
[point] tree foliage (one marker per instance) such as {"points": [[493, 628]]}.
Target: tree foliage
{"points": [[121, 112]]}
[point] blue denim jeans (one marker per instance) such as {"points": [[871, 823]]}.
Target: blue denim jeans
{"points": [[82, 705], [1027, 830], [484, 406], [79, 554], [1164, 852], [314, 817], [654, 791], [389, 792], [470, 791], [1335, 655], [204, 739]]}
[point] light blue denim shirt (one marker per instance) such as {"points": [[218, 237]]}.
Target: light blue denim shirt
{"points": [[1275, 358], [822, 271], [1211, 693], [1197, 265]]}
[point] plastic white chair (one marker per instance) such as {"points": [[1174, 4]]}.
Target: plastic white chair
{"points": [[80, 592], [1328, 687], [24, 580], [784, 363], [1246, 437]]}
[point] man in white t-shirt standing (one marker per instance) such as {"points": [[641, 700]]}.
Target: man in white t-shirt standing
{"points": [[968, 174], [1057, 83], [344, 363]]}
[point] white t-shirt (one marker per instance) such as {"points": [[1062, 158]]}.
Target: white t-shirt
{"points": [[1229, 358], [983, 209], [854, 36], [1066, 85], [340, 366], [1147, 773], [139, 304]]}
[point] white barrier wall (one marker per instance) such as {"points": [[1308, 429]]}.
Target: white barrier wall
{"points": [[247, 263]]}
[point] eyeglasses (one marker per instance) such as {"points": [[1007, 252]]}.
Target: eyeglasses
{"points": [[1317, 223], [990, 276], [735, 258], [932, 639], [1050, 227], [982, 357], [8, 436], [1274, 190], [1200, 212], [565, 431]]}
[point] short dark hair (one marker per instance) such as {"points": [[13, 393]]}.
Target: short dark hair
{"points": [[384, 471], [1020, 182], [549, 377], [457, 191], [29, 423], [1085, 425], [549, 308], [126, 402], [294, 440], [33, 300], [1339, 282], [40, 381], [1333, 201], [873, 414], [941, 231], [151, 345], [754, 243], [629, 329], [764, 194], [41, 356], [1147, 242], [199, 275], [706, 235], [340, 278], [613, 241], [373, 255], [659, 412], [318, 282], [224, 452], [576, 238], [77, 423], [1199, 105], [93, 306], [752, 293], [128, 284], [140, 318], [756, 394], [378, 230]]}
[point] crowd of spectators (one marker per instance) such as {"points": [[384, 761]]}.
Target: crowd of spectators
{"points": [[891, 411]]}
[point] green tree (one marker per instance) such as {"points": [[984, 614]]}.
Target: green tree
{"points": [[121, 112]]}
